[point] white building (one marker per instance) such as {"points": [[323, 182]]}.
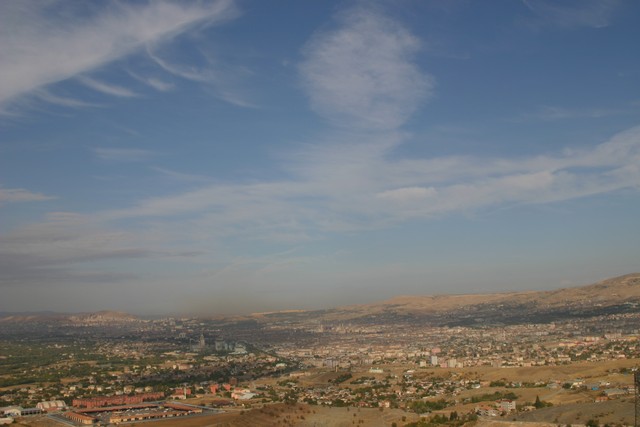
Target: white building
{"points": [[506, 405], [53, 405], [12, 411]]}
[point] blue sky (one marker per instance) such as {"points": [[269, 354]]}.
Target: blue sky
{"points": [[236, 156]]}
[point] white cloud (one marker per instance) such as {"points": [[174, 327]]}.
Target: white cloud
{"points": [[70, 238], [360, 73], [16, 195], [62, 101], [106, 88], [369, 191], [349, 190], [68, 248], [552, 113], [51, 252], [223, 83], [575, 13], [407, 194], [123, 154], [158, 84], [179, 176], [47, 47], [188, 73]]}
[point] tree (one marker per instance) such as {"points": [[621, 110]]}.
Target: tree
{"points": [[538, 403]]}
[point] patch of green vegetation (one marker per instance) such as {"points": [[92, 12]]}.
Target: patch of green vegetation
{"points": [[421, 406], [342, 378], [453, 420], [494, 396]]}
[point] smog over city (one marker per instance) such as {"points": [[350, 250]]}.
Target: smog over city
{"points": [[385, 213]]}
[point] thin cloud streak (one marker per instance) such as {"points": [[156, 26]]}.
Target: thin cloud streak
{"points": [[187, 73], [179, 176], [312, 205], [343, 182], [18, 195], [106, 88], [66, 237], [554, 113], [153, 82], [62, 101], [221, 83], [582, 13], [360, 76], [46, 49], [123, 154]]}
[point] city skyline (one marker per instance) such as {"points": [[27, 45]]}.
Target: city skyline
{"points": [[235, 156]]}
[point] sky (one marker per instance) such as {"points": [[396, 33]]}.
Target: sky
{"points": [[224, 156]]}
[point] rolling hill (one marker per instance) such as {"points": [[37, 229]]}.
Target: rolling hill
{"points": [[619, 294]]}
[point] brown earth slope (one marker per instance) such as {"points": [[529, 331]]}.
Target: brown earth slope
{"points": [[607, 293]]}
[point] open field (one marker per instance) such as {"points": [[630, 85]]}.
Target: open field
{"points": [[569, 406], [589, 371], [37, 422], [585, 370], [274, 415], [615, 412], [498, 423], [619, 411]]}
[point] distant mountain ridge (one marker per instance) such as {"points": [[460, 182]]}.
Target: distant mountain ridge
{"points": [[47, 316], [610, 291], [103, 316], [613, 294], [618, 294]]}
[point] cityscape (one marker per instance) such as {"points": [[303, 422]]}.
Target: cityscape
{"points": [[302, 368], [330, 213]]}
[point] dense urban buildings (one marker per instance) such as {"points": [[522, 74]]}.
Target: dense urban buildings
{"points": [[123, 369]]}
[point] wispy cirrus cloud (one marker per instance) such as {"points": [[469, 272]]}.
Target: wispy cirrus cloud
{"points": [[552, 113], [353, 180], [360, 73], [124, 154], [46, 252], [224, 84], [157, 84], [373, 192], [107, 88], [62, 101], [185, 72], [17, 195], [360, 76], [180, 176], [343, 189], [573, 14], [47, 47]]}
